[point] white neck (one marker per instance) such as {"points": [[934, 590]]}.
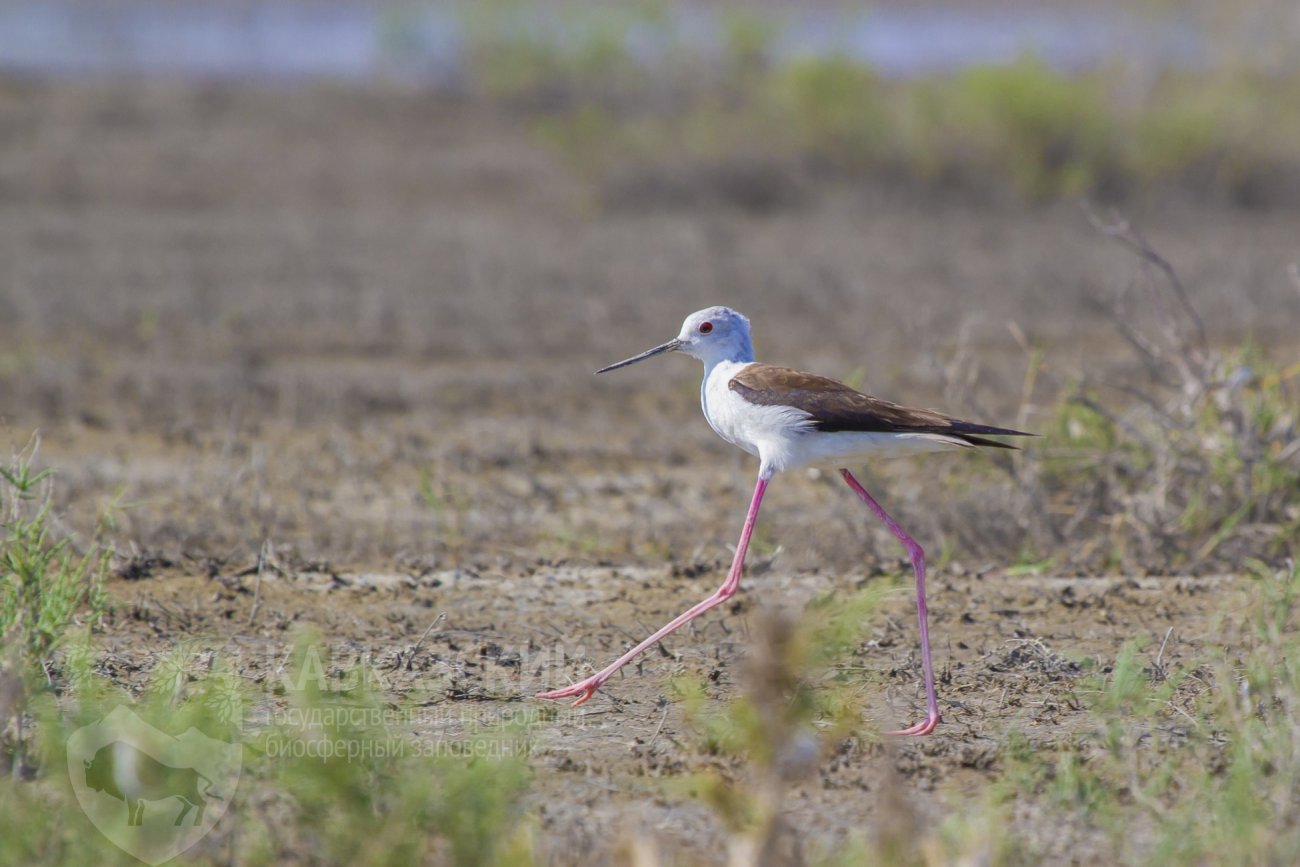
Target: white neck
{"points": [[725, 367], [738, 349]]}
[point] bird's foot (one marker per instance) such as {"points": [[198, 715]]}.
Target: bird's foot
{"points": [[921, 728], [583, 690]]}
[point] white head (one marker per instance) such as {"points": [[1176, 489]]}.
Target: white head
{"points": [[713, 334]]}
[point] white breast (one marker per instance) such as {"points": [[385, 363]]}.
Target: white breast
{"points": [[768, 432]]}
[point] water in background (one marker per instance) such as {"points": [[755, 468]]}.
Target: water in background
{"points": [[358, 40]]}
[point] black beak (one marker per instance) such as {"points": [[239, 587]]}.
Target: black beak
{"points": [[670, 346]]}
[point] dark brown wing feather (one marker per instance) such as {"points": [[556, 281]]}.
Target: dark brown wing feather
{"points": [[834, 406]]}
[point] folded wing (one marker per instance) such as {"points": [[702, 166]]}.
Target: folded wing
{"points": [[833, 406]]}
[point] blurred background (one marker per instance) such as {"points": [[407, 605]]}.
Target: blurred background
{"points": [[301, 300], [336, 273]]}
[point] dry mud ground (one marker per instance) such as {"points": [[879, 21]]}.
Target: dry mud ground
{"points": [[358, 328]]}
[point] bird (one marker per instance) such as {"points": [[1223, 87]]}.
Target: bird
{"points": [[789, 420]]}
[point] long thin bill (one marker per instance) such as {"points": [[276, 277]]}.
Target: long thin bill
{"points": [[663, 347]]}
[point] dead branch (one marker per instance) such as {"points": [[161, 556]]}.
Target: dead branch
{"points": [[1123, 231]]}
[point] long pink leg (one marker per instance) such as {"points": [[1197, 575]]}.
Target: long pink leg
{"points": [[918, 567], [587, 688]]}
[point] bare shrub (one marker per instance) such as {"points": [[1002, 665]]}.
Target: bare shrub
{"points": [[1193, 463]]}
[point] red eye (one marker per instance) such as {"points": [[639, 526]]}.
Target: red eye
{"points": [[706, 327]]}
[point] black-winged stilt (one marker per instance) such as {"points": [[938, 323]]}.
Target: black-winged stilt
{"points": [[790, 419]]}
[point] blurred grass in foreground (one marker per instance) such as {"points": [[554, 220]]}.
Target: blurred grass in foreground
{"points": [[333, 776], [332, 772], [1023, 130], [1188, 763], [1182, 763]]}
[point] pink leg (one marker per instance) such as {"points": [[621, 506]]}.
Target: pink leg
{"points": [[918, 567], [587, 688]]}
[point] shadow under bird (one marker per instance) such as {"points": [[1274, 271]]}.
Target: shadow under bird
{"points": [[790, 419]]}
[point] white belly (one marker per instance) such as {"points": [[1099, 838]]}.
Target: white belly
{"points": [[835, 449]]}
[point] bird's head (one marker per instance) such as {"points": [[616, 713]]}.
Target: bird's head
{"points": [[713, 334]]}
